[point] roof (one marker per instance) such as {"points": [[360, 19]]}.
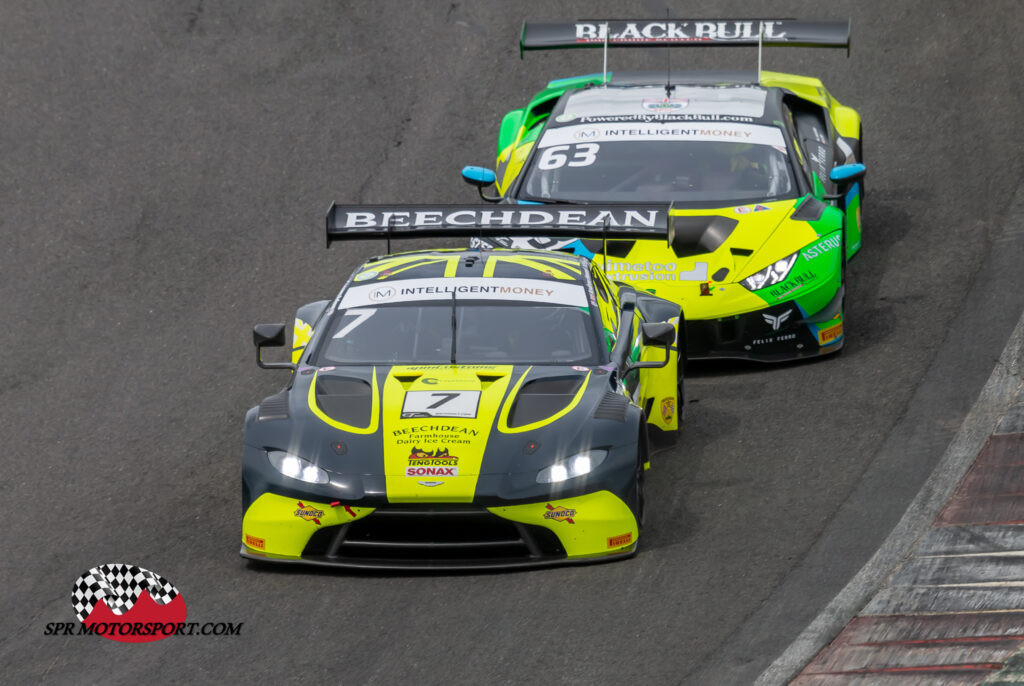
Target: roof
{"points": [[483, 264], [623, 100]]}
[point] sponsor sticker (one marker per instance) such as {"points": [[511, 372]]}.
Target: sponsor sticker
{"points": [[440, 456], [381, 294], [560, 513], [792, 284], [620, 540], [578, 368], [435, 433], [470, 288], [668, 408], [309, 514], [831, 334], [431, 471], [437, 463], [365, 276], [664, 104], [656, 271], [462, 404], [255, 542], [717, 132], [777, 321], [678, 31], [774, 339], [743, 209], [825, 245], [761, 208]]}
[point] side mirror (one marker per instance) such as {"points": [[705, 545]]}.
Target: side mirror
{"points": [[661, 334], [481, 177], [845, 174], [269, 336]]}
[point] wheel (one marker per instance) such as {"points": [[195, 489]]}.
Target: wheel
{"points": [[640, 494]]}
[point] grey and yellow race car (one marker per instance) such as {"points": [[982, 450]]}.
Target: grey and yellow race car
{"points": [[464, 408]]}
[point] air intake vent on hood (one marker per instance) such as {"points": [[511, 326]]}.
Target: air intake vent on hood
{"points": [[345, 399], [540, 398], [699, 235], [809, 210], [274, 407], [612, 406]]}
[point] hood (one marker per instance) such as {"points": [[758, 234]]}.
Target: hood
{"points": [[434, 430]]}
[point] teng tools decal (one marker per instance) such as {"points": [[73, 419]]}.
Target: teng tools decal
{"points": [[117, 600]]}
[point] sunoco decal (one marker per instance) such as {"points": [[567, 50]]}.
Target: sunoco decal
{"points": [[310, 514], [560, 513]]}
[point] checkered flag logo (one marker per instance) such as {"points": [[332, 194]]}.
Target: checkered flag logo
{"points": [[119, 586]]}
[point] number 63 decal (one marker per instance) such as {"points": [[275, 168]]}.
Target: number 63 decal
{"points": [[557, 156], [440, 404]]}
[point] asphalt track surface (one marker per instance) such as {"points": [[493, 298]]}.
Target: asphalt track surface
{"points": [[164, 168]]}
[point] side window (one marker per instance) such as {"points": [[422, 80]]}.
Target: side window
{"points": [[607, 304], [632, 380]]}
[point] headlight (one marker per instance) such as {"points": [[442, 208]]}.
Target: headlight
{"points": [[570, 468], [772, 274], [296, 467]]}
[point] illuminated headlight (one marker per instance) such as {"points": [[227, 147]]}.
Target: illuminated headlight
{"points": [[570, 468], [772, 274], [296, 467]]}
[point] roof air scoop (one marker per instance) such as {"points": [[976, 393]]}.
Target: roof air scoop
{"points": [[699, 235]]}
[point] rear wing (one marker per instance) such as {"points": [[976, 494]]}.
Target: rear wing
{"points": [[640, 33], [367, 222]]}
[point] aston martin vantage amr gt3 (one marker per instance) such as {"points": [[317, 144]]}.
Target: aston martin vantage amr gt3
{"points": [[463, 408], [763, 171]]}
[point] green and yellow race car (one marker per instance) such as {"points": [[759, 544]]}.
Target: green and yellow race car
{"points": [[464, 408], [763, 171]]}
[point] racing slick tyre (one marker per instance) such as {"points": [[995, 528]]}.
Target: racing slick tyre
{"points": [[639, 504]]}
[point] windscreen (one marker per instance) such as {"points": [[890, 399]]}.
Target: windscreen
{"points": [[485, 333], [660, 162]]}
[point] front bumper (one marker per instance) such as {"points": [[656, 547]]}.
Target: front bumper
{"points": [[775, 334], [437, 536]]}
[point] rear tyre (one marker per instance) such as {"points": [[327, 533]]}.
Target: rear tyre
{"points": [[640, 494]]}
